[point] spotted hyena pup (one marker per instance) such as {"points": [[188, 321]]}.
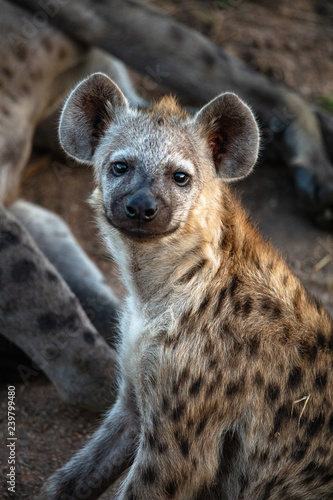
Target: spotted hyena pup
{"points": [[226, 361]]}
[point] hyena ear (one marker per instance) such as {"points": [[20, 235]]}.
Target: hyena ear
{"points": [[231, 131], [88, 111]]}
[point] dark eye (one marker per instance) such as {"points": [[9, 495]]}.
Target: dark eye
{"points": [[119, 169], [180, 178]]}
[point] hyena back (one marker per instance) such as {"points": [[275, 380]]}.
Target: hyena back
{"points": [[226, 361]]}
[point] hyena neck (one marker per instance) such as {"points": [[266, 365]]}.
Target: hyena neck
{"points": [[209, 246]]}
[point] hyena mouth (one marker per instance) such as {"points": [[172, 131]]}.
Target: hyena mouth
{"points": [[140, 234]]}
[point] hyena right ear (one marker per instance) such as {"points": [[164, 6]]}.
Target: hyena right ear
{"points": [[88, 111]]}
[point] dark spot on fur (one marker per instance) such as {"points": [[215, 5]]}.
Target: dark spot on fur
{"points": [[204, 304], [266, 305], [254, 343], [184, 447], [276, 312], [309, 468], [297, 304], [310, 479], [222, 295], [295, 377], [165, 405], [8, 239], [195, 387], [62, 53], [192, 272], [209, 348], [185, 318], [263, 457], [270, 307], [7, 72], [321, 451], [308, 350], [316, 425], [49, 322], [152, 441], [171, 489], [162, 448], [234, 285], [184, 376], [178, 412], [268, 488], [23, 271], [327, 478], [321, 380], [259, 379], [272, 392], [237, 307], [21, 52], [321, 340], [299, 450], [208, 58], [212, 364], [281, 416], [5, 111], [330, 423], [25, 89], [247, 306], [148, 476], [229, 451], [202, 424], [89, 338], [235, 387]]}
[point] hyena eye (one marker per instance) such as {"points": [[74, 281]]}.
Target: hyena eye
{"points": [[180, 178], [119, 168]]}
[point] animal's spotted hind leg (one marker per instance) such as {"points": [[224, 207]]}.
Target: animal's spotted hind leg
{"points": [[40, 314]]}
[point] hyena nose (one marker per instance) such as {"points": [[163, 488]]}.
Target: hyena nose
{"points": [[141, 206]]}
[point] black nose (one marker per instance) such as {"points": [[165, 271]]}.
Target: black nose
{"points": [[141, 206]]}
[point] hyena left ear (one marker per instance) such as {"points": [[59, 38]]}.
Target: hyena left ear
{"points": [[231, 131], [87, 113]]}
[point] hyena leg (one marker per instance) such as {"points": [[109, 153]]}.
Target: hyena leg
{"points": [[100, 463], [40, 314], [172, 462], [55, 240]]}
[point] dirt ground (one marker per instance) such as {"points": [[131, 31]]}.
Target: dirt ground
{"points": [[292, 42]]}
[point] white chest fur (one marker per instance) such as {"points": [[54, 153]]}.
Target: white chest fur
{"points": [[134, 333]]}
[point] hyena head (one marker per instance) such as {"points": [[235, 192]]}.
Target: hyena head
{"points": [[152, 165]]}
